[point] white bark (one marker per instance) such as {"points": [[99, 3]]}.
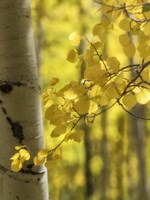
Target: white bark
{"points": [[20, 109]]}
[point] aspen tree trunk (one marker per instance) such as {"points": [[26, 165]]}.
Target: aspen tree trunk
{"points": [[20, 110]]}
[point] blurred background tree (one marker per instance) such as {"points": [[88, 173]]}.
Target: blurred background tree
{"points": [[113, 161]]}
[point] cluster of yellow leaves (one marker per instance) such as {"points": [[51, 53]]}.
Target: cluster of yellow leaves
{"points": [[19, 158], [104, 80]]}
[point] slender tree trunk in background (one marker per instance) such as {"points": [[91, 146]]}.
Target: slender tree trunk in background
{"points": [[138, 131], [89, 184], [20, 109], [104, 176]]}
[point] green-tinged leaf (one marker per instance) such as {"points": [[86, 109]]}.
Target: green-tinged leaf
{"points": [[146, 7]]}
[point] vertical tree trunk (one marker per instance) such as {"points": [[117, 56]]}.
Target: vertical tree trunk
{"points": [[20, 110]]}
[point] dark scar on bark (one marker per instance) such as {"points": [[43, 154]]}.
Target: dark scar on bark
{"points": [[6, 88], [16, 129]]}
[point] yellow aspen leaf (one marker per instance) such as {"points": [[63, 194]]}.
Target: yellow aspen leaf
{"points": [[54, 81], [43, 153], [93, 107], [15, 156], [75, 38], [99, 31], [89, 54], [124, 39], [112, 91], [82, 105], [144, 49], [24, 154], [143, 96], [113, 64], [16, 165], [38, 160], [77, 136], [54, 114], [129, 101], [95, 91], [72, 56], [129, 50], [96, 45], [20, 147], [95, 74], [69, 94], [50, 164], [104, 99], [125, 24], [58, 130]]}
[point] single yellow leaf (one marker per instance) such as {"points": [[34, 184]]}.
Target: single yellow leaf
{"points": [[113, 64], [69, 94], [16, 165], [93, 107], [129, 50], [24, 154], [54, 81], [15, 156], [129, 101], [20, 147], [38, 160], [43, 153], [143, 96], [82, 105], [75, 38], [51, 164], [95, 91], [124, 39], [72, 56], [58, 130], [76, 136], [125, 24]]}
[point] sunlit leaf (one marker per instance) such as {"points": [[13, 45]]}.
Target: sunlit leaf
{"points": [[143, 96], [75, 38], [43, 153], [15, 156], [24, 154], [39, 160], [129, 101], [16, 165]]}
